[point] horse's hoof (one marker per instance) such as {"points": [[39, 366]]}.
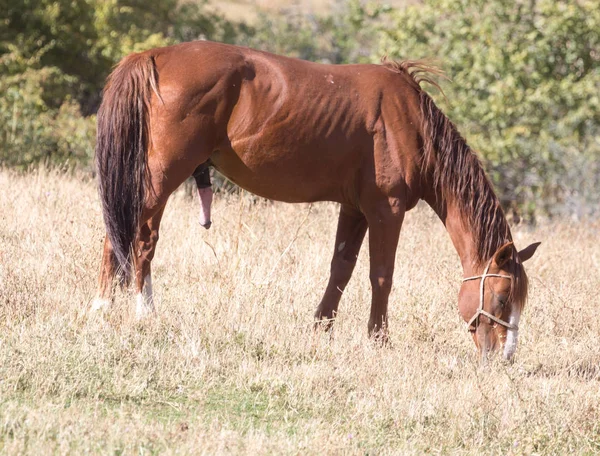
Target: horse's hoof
{"points": [[100, 304], [324, 324], [143, 314], [206, 225], [144, 307], [380, 337]]}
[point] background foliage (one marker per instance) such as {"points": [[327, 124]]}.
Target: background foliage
{"points": [[524, 75], [525, 85], [56, 54]]}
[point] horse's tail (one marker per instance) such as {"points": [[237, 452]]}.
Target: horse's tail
{"points": [[121, 153]]}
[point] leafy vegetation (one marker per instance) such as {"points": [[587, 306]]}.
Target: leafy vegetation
{"points": [[56, 54], [347, 35], [525, 81], [524, 89]]}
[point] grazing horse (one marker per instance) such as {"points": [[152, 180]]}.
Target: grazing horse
{"points": [[366, 136]]}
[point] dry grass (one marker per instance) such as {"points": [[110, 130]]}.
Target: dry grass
{"points": [[230, 364]]}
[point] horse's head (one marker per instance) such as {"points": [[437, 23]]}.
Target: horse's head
{"points": [[491, 303]]}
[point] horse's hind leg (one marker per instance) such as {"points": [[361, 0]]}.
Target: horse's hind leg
{"points": [[146, 246], [106, 281], [351, 230], [169, 165]]}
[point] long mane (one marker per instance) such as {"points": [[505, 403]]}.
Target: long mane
{"points": [[458, 174]]}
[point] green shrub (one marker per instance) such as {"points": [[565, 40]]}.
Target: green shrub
{"points": [[346, 35], [39, 117], [524, 91], [55, 56], [525, 79]]}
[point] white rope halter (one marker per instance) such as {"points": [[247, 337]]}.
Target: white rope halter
{"points": [[480, 310]]}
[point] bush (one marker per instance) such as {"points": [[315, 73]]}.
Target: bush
{"points": [[347, 35], [524, 90], [55, 56], [40, 120]]}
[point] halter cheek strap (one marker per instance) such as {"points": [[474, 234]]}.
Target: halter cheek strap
{"points": [[480, 310]]}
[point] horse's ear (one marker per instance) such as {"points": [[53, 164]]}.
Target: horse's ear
{"points": [[503, 254], [528, 251]]}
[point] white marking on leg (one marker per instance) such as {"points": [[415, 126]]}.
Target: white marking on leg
{"points": [[512, 336], [341, 246], [144, 300], [100, 304]]}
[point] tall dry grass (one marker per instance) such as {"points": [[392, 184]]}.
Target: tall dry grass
{"points": [[230, 363]]}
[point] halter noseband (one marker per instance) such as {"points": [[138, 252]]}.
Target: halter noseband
{"points": [[480, 310]]}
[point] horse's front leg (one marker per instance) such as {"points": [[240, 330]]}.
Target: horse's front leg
{"points": [[385, 223], [146, 246], [351, 230]]}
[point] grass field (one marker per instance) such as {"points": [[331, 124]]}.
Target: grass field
{"points": [[230, 364]]}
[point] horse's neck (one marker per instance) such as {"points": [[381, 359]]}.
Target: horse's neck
{"points": [[460, 233]]}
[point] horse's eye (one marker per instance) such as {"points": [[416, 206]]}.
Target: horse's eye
{"points": [[503, 300]]}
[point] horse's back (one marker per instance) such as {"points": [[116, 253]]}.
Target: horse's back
{"points": [[270, 82], [278, 123]]}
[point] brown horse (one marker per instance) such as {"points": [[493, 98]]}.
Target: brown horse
{"points": [[365, 136]]}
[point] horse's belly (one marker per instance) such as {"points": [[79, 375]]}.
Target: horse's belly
{"points": [[289, 175]]}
